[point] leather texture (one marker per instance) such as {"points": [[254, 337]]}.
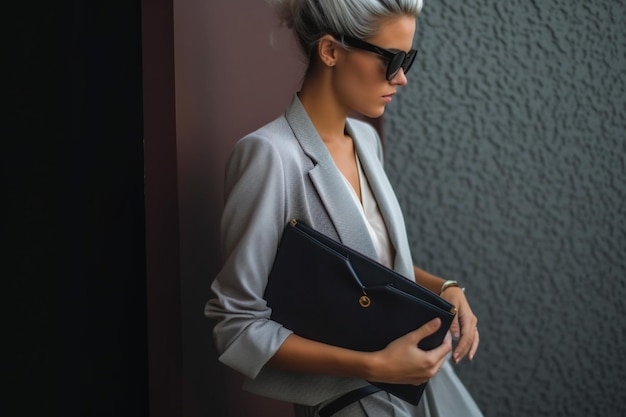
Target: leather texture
{"points": [[315, 287]]}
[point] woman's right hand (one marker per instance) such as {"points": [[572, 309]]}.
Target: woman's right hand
{"points": [[403, 362]]}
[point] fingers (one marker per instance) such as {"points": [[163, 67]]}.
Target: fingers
{"points": [[443, 349], [434, 358], [430, 327], [466, 342], [439, 354], [474, 348], [404, 362], [455, 328], [426, 330]]}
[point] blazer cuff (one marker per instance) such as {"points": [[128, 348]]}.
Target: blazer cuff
{"points": [[254, 347]]}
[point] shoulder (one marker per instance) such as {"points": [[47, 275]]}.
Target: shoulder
{"points": [[270, 140], [276, 135], [271, 153]]}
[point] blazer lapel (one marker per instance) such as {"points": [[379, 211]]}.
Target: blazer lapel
{"points": [[387, 203], [329, 183]]}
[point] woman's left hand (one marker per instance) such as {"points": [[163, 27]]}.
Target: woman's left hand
{"points": [[464, 327]]}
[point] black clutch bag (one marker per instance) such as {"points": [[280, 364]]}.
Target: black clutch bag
{"points": [[324, 291]]}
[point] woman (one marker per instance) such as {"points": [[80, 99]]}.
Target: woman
{"points": [[325, 169]]}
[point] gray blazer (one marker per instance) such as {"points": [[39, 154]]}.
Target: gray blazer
{"points": [[284, 171]]}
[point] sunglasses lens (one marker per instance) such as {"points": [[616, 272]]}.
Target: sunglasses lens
{"points": [[394, 65], [408, 61], [400, 60]]}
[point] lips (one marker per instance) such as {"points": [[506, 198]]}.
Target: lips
{"points": [[387, 98]]}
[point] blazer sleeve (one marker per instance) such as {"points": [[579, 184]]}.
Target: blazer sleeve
{"points": [[251, 228]]}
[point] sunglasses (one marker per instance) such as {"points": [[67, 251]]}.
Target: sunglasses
{"points": [[395, 60]]}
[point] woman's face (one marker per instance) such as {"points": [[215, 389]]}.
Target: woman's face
{"points": [[360, 80]]}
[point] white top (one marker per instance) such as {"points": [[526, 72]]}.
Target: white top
{"points": [[373, 219]]}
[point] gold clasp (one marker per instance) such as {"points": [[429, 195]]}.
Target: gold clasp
{"points": [[364, 300]]}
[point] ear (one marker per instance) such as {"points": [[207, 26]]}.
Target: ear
{"points": [[327, 50]]}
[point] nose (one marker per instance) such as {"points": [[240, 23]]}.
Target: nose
{"points": [[399, 79]]}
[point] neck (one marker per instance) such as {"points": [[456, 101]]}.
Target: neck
{"points": [[324, 110]]}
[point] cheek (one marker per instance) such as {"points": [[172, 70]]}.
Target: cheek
{"points": [[368, 70], [362, 76]]}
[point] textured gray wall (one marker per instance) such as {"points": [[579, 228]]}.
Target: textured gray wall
{"points": [[508, 153]]}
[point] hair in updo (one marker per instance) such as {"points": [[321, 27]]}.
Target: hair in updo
{"points": [[311, 19]]}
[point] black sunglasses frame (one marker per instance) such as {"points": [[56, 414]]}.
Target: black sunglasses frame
{"points": [[395, 60]]}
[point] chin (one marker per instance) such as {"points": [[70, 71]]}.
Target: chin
{"points": [[373, 113]]}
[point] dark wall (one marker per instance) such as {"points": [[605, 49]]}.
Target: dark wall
{"points": [[73, 213], [508, 153]]}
